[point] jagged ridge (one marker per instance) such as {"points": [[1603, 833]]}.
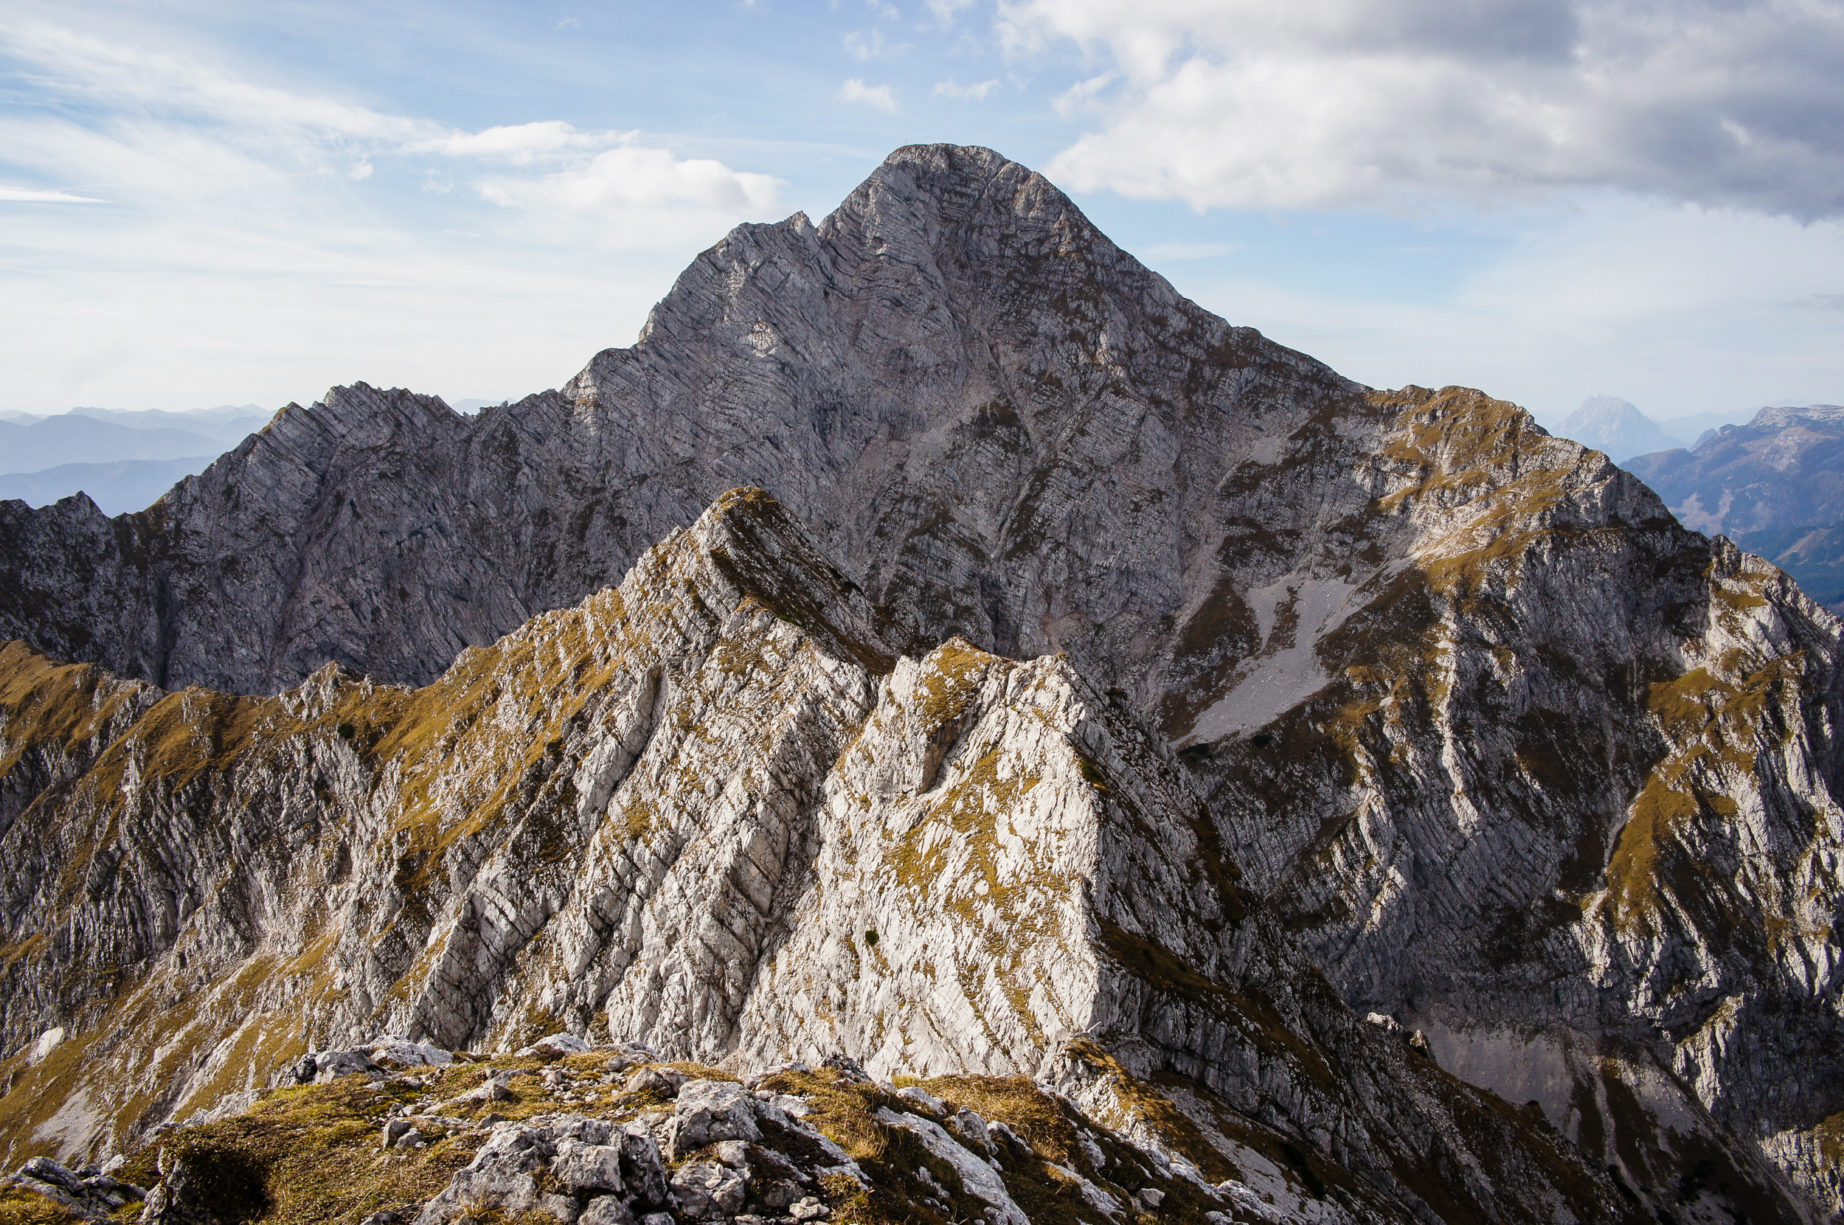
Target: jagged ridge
{"points": [[688, 813], [1410, 645]]}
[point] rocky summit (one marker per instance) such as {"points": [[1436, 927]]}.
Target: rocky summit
{"points": [[936, 659]]}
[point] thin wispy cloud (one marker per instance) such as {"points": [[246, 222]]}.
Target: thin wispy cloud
{"points": [[1082, 97], [977, 92], [193, 129], [864, 44], [1189, 250], [164, 82], [879, 97], [253, 205], [29, 195], [521, 143]]}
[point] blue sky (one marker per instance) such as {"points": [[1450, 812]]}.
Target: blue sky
{"points": [[205, 202]]}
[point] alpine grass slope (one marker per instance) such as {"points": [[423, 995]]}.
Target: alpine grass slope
{"points": [[1159, 666]]}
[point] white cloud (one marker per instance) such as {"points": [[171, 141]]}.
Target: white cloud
{"points": [[520, 143], [881, 97], [1082, 97], [966, 93], [1330, 103], [28, 195], [863, 46], [635, 177]]}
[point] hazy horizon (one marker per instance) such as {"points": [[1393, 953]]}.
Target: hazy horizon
{"points": [[1545, 200]]}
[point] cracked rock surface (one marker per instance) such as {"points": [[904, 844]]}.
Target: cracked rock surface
{"points": [[1529, 769], [710, 811]]}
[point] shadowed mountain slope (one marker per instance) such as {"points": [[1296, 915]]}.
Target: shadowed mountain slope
{"points": [[1519, 759], [708, 810]]}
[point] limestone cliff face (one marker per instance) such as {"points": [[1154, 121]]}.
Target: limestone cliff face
{"points": [[1520, 761], [711, 811], [979, 403], [1580, 764]]}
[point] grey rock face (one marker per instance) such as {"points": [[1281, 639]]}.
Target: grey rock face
{"points": [[976, 399], [1525, 764], [88, 1192], [709, 1112], [709, 810]]}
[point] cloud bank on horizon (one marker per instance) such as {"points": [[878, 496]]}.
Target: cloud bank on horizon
{"points": [[1546, 198]]}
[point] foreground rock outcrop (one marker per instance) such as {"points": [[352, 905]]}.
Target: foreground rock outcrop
{"points": [[564, 1132], [1518, 760]]}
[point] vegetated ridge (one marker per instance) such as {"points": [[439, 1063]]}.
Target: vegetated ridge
{"points": [[1460, 712]]}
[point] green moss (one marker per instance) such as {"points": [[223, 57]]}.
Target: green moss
{"points": [[951, 674], [1714, 727], [48, 704], [1632, 870], [21, 1207]]}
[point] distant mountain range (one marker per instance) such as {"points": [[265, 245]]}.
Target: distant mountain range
{"points": [[122, 460], [1613, 425], [938, 648], [117, 486], [1775, 486]]}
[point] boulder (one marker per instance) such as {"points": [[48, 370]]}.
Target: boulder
{"points": [[591, 1168], [87, 1192], [500, 1176], [710, 1111], [555, 1044], [708, 1190]]}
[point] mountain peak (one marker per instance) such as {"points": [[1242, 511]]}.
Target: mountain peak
{"points": [[1781, 416], [1615, 426], [942, 153], [753, 540], [943, 170], [1441, 681]]}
